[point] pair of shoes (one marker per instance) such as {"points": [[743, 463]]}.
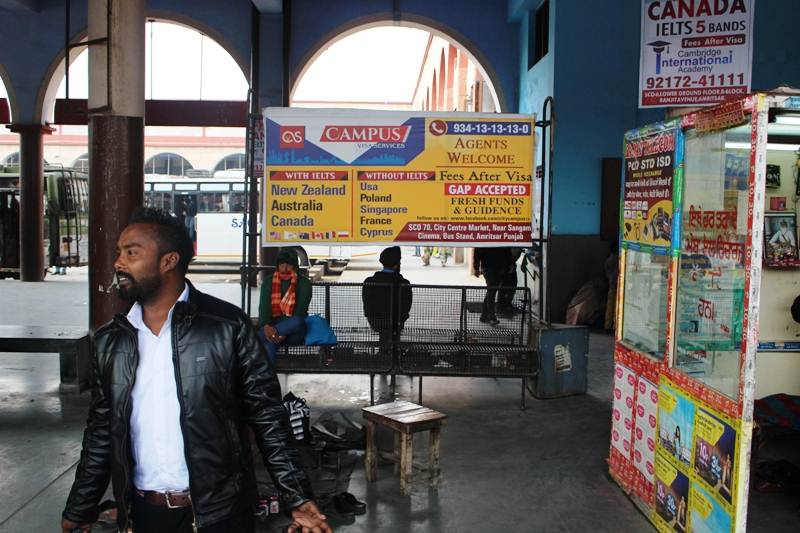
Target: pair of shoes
{"points": [[346, 503], [334, 513], [491, 320]]}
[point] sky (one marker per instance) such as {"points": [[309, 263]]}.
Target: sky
{"points": [[374, 65], [386, 69]]}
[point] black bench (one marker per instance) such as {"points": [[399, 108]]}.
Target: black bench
{"points": [[73, 344], [443, 336]]}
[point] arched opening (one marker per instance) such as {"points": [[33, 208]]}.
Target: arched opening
{"points": [[390, 66], [82, 162], [184, 60], [415, 75], [13, 159], [181, 63], [231, 162], [167, 164]]}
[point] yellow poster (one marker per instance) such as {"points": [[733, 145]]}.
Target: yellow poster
{"points": [[381, 177]]}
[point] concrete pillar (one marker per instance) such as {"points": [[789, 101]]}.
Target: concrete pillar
{"points": [[31, 203], [116, 140]]}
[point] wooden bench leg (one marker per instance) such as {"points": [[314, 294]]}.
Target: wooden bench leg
{"points": [[433, 457], [370, 461], [406, 463], [397, 436]]}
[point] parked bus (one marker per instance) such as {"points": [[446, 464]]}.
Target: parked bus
{"points": [[212, 209], [66, 219]]}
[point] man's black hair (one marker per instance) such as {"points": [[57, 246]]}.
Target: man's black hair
{"points": [[171, 234]]}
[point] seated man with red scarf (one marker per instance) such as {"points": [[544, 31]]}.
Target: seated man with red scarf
{"points": [[283, 305]]}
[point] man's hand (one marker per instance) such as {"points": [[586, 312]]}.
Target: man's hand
{"points": [[272, 334], [308, 519], [68, 526]]}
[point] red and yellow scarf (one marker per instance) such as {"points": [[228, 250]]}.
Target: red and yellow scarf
{"points": [[283, 306]]}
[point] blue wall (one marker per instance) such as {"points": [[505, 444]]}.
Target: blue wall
{"points": [[535, 84], [776, 47], [593, 73], [596, 84]]}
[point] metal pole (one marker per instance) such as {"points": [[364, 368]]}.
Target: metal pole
{"points": [[250, 225], [545, 207], [66, 48], [549, 100]]}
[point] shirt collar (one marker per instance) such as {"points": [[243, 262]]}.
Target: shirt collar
{"points": [[135, 314]]}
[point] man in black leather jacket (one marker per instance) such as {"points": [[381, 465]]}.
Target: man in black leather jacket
{"points": [[182, 433]]}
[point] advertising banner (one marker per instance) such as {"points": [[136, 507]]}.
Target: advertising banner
{"points": [[676, 413], [647, 209], [644, 443], [715, 451], [694, 53], [622, 412], [672, 497], [384, 177], [708, 516]]}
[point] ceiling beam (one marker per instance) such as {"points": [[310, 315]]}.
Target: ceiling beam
{"points": [[269, 6], [200, 113]]}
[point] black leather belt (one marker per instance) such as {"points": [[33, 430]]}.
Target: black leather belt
{"points": [[169, 499]]}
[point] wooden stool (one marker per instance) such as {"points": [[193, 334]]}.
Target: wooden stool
{"points": [[405, 418]]}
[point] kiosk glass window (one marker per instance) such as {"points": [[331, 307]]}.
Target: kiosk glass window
{"points": [[710, 289], [644, 319]]}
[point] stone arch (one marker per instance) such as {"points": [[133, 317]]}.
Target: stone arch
{"points": [[435, 92], [442, 83], [411, 21], [450, 90]]}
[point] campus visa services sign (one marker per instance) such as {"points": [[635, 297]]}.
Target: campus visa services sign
{"points": [[392, 177], [695, 52]]}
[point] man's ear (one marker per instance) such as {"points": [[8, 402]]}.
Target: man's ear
{"points": [[169, 261]]}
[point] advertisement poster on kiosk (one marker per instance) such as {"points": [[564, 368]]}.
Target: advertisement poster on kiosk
{"points": [[344, 176], [715, 453], [676, 414], [649, 172], [706, 515], [695, 53], [672, 497]]}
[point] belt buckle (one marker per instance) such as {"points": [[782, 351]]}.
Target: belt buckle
{"points": [[169, 503]]}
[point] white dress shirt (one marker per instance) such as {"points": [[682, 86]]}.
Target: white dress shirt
{"points": [[158, 457]]}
